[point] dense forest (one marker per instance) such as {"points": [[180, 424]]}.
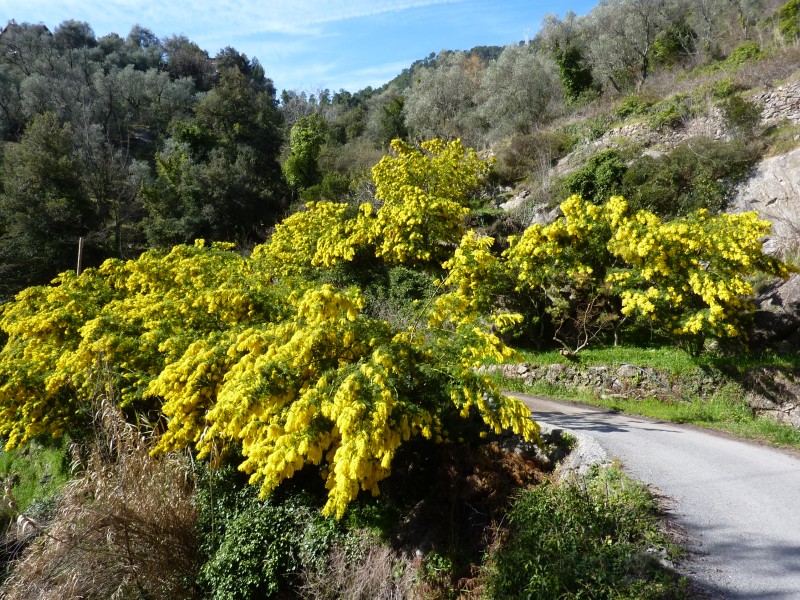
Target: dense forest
{"points": [[274, 351]]}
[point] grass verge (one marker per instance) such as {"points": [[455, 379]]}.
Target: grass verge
{"points": [[35, 475], [726, 409], [596, 537]]}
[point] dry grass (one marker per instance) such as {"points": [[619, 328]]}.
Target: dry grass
{"points": [[125, 529], [375, 573]]}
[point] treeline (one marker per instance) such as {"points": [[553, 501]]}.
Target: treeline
{"points": [[141, 142], [129, 143]]}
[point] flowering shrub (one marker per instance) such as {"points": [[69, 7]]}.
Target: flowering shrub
{"points": [[255, 353], [290, 372], [687, 276], [421, 196]]}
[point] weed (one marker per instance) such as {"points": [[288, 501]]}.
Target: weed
{"points": [[124, 529], [591, 534]]}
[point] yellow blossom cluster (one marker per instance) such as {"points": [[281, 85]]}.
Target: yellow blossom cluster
{"points": [[290, 372], [421, 195], [123, 321], [687, 276]]}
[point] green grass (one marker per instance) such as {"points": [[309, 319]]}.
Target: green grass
{"points": [[661, 357], [670, 358], [37, 473]]}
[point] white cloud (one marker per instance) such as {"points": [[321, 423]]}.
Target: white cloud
{"points": [[240, 17]]}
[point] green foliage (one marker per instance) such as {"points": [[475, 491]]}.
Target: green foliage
{"points": [[632, 105], [788, 17], [675, 43], [694, 175], [220, 178], [305, 142], [575, 73], [741, 116], [44, 206], [256, 548], [591, 535], [781, 138], [746, 52], [665, 357], [671, 113], [724, 88], [407, 288], [334, 187], [392, 123], [600, 178]]}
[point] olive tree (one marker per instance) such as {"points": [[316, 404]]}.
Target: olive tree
{"points": [[441, 101], [623, 35], [517, 90]]}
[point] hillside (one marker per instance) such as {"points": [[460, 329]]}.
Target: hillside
{"points": [[278, 369]]}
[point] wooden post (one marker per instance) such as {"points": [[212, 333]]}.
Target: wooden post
{"points": [[80, 255]]}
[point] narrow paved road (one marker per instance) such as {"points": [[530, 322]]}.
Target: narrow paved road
{"points": [[738, 502]]}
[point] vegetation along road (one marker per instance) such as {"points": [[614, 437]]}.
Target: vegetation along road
{"points": [[737, 501]]}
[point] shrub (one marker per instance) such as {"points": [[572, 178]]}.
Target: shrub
{"points": [[700, 173], [334, 187], [671, 113], [632, 105], [591, 535], [741, 116], [724, 88], [361, 567], [262, 547], [599, 179], [743, 53], [685, 277], [789, 20], [524, 155], [243, 351]]}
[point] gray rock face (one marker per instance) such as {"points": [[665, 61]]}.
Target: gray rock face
{"points": [[774, 191], [777, 315]]}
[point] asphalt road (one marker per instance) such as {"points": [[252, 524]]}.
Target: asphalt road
{"points": [[738, 502]]}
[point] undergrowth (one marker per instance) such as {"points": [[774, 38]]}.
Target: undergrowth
{"points": [[33, 475], [595, 538], [123, 529]]}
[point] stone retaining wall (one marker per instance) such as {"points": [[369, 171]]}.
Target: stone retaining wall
{"points": [[771, 391], [780, 103]]}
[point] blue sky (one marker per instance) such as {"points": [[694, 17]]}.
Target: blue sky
{"points": [[313, 44]]}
